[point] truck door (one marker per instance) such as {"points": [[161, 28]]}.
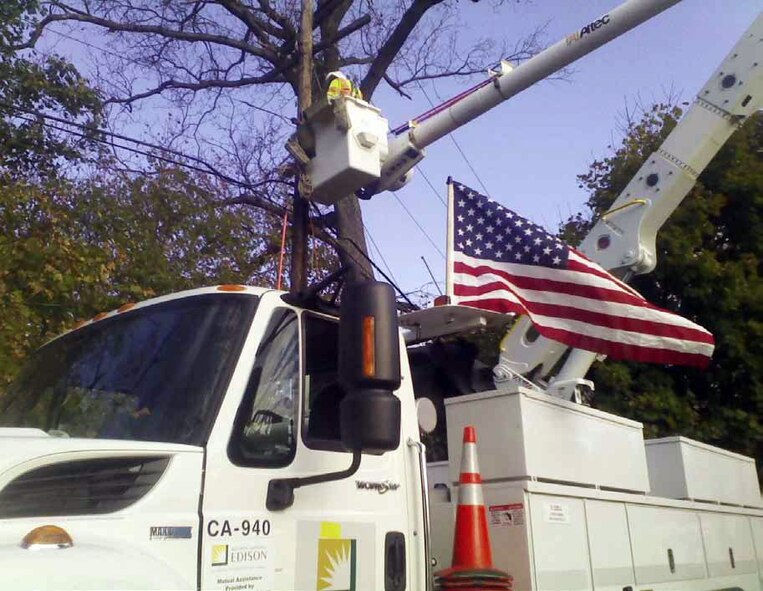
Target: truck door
{"points": [[281, 420]]}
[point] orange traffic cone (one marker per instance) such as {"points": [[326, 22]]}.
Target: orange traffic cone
{"points": [[472, 564], [471, 544]]}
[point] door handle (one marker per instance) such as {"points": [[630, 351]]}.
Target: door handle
{"points": [[394, 561]]}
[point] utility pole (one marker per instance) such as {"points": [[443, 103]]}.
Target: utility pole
{"points": [[300, 220]]}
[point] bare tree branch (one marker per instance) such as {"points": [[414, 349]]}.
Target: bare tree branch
{"points": [[227, 70], [394, 43], [165, 32], [397, 86]]}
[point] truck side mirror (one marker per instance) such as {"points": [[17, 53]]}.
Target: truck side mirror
{"points": [[369, 367]]}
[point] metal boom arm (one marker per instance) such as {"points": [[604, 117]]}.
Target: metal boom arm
{"points": [[407, 149], [623, 239]]}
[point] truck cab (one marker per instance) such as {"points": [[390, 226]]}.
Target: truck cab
{"points": [[139, 450]]}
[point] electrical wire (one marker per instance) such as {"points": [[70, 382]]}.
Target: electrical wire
{"points": [[379, 252], [335, 235], [137, 63], [210, 170], [431, 186], [205, 167], [144, 143], [458, 146], [415, 221]]}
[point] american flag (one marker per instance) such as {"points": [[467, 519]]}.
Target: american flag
{"points": [[505, 263]]}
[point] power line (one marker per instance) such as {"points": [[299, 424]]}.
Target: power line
{"points": [[335, 234], [114, 145], [211, 170], [431, 186], [28, 116], [458, 146], [206, 169], [379, 252], [144, 143], [423, 231], [137, 63], [99, 48]]}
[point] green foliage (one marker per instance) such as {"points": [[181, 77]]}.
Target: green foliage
{"points": [[77, 244], [46, 84], [709, 270], [72, 249]]}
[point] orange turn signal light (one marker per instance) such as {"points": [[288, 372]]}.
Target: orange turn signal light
{"points": [[47, 536], [231, 287], [369, 346], [442, 300]]}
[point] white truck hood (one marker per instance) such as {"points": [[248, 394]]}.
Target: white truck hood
{"points": [[24, 449], [114, 548]]}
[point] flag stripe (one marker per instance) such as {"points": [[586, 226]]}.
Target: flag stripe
{"points": [[579, 262], [473, 276], [616, 322], [474, 267], [604, 333], [612, 309], [614, 349], [505, 263]]}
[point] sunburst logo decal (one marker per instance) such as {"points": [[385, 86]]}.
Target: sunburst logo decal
{"points": [[336, 560]]}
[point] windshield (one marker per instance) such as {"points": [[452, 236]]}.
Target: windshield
{"points": [[152, 374]]}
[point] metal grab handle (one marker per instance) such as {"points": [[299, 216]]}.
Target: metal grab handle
{"points": [[421, 449]]}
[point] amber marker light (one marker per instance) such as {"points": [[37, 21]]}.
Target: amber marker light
{"points": [[47, 537], [231, 287], [369, 346], [125, 307]]}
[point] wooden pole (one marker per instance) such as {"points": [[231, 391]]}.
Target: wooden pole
{"points": [[299, 230]]}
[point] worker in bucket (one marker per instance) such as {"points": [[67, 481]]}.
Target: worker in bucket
{"points": [[338, 84]]}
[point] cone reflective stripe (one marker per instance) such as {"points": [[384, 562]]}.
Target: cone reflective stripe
{"points": [[471, 545]]}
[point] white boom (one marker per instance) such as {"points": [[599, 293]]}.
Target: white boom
{"points": [[623, 239], [344, 142], [407, 149]]}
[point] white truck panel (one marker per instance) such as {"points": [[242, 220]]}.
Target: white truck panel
{"points": [[656, 535], [115, 550], [510, 532], [756, 526], [527, 434], [681, 468], [560, 544], [728, 544], [610, 545]]}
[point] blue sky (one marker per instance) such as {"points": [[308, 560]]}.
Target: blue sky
{"points": [[529, 150]]}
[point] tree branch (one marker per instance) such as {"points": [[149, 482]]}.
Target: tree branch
{"points": [[195, 86], [394, 43], [114, 26], [257, 26], [397, 86], [276, 17]]}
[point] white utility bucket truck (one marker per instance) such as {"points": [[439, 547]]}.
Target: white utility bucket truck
{"points": [[235, 438]]}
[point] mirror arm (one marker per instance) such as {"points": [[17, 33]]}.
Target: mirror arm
{"points": [[281, 490]]}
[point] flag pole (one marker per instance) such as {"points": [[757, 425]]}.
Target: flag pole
{"points": [[449, 249]]}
